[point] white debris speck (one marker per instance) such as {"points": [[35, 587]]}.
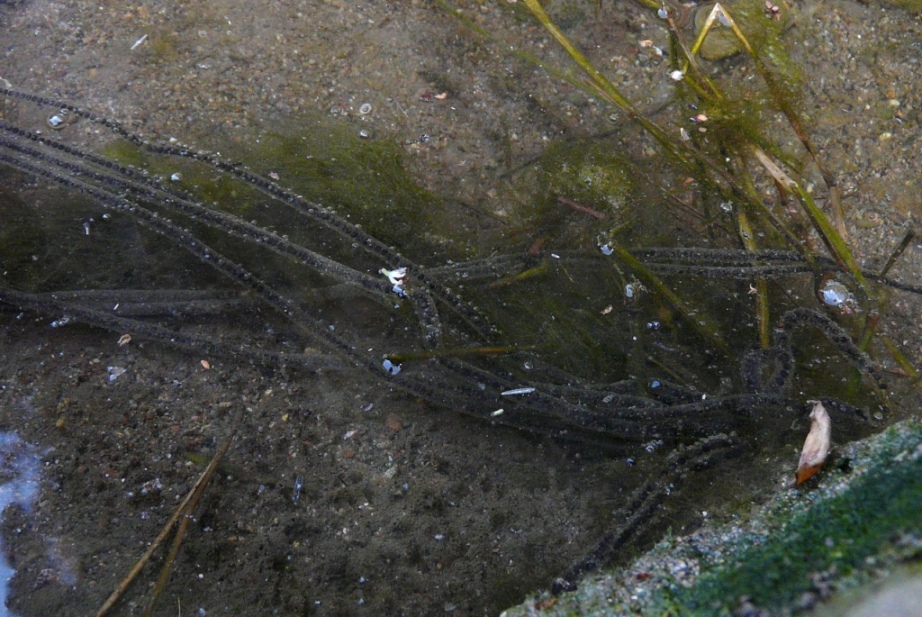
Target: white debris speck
{"points": [[397, 278], [139, 42], [390, 367], [517, 391]]}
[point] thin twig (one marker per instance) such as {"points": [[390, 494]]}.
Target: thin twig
{"points": [[195, 493], [581, 208], [910, 234]]}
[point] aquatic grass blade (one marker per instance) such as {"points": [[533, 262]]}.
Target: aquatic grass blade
{"points": [[830, 236], [701, 324], [605, 87], [761, 287], [793, 118]]}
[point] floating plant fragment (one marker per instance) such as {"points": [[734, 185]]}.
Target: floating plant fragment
{"points": [[816, 446]]}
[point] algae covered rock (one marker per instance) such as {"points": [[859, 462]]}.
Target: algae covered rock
{"points": [[860, 520], [591, 174]]}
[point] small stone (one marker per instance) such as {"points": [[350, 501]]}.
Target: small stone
{"points": [[392, 422]]}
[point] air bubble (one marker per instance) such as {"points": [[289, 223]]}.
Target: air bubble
{"points": [[60, 119], [834, 293]]}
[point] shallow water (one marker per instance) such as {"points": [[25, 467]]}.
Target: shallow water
{"points": [[404, 507]]}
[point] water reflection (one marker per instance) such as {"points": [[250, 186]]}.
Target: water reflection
{"points": [[19, 484]]}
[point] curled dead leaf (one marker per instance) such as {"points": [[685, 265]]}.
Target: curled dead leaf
{"points": [[816, 446]]}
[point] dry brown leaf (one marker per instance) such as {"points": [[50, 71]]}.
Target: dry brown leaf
{"points": [[816, 446]]}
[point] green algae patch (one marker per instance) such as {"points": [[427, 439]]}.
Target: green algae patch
{"points": [[590, 174], [328, 161], [912, 6], [582, 191]]}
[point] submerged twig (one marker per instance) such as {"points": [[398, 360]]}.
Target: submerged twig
{"points": [[187, 511], [904, 243], [183, 510], [581, 208]]}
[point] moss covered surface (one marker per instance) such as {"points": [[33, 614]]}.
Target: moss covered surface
{"points": [[858, 521], [324, 159]]}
